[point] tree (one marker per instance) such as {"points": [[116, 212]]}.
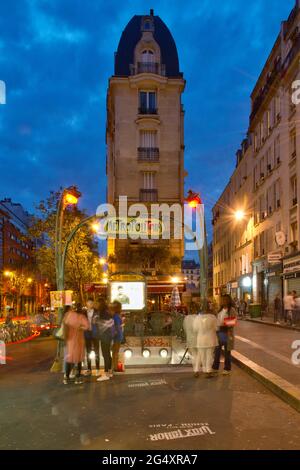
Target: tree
{"points": [[82, 262]]}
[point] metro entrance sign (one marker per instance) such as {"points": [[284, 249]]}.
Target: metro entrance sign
{"points": [[131, 226]]}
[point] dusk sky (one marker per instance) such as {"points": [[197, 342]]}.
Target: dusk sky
{"points": [[56, 57]]}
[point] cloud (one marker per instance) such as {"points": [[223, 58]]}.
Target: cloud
{"points": [[56, 58]]}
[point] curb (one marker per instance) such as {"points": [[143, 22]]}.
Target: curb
{"points": [[277, 385], [284, 327]]}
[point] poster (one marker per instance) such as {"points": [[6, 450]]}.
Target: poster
{"points": [[130, 294], [60, 298]]}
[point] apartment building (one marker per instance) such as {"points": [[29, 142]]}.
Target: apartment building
{"points": [[256, 219]]}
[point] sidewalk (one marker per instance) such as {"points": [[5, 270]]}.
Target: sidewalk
{"points": [[268, 321], [267, 354]]}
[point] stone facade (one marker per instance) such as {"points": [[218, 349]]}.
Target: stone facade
{"points": [[249, 254]]}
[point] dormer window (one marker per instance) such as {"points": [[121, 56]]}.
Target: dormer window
{"points": [[147, 56], [147, 24]]}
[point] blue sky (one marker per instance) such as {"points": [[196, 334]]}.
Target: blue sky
{"points": [[56, 57]]}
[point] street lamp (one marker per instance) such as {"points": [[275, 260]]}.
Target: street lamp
{"points": [[102, 261], [194, 201], [239, 215]]}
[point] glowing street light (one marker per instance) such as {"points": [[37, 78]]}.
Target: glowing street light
{"points": [[102, 261], [70, 199], [95, 227], [239, 215], [7, 273], [175, 280], [29, 280]]}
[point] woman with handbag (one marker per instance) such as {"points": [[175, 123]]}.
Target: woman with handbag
{"points": [[226, 321], [75, 323]]}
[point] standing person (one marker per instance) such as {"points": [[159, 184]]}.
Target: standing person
{"points": [[105, 326], [75, 323], [191, 337], [277, 309], [294, 309], [288, 302], [225, 319], [116, 308], [205, 327], [92, 338], [297, 309]]}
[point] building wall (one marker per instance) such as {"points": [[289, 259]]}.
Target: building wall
{"points": [[269, 195], [124, 124]]}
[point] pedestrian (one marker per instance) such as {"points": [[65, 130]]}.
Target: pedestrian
{"points": [[288, 302], [226, 321], [75, 323], [105, 328], [297, 309], [9, 318], [191, 337], [92, 338], [116, 308], [205, 327], [277, 309], [294, 309], [243, 308]]}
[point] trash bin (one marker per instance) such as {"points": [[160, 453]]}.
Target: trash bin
{"points": [[255, 310]]}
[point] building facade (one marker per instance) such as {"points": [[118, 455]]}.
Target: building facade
{"points": [[191, 274], [145, 139], [256, 219]]}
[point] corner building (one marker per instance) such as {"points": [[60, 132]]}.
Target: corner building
{"points": [[145, 141]]}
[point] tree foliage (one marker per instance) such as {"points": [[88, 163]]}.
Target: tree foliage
{"points": [[82, 262]]}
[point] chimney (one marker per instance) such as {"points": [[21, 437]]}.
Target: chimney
{"points": [[151, 12]]}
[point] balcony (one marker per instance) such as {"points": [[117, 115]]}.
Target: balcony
{"points": [[148, 154], [148, 67], [145, 110], [148, 195]]}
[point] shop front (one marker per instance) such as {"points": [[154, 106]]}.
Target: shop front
{"points": [[291, 274], [259, 282], [274, 283], [245, 288]]}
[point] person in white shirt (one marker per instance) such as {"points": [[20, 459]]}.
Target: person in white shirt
{"points": [[205, 327], [92, 338], [288, 302], [191, 337], [225, 334]]}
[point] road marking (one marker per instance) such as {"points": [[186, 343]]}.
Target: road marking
{"points": [[180, 431], [268, 351], [148, 383]]}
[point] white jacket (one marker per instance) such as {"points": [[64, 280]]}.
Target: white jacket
{"points": [[288, 302], [188, 326], [205, 327]]}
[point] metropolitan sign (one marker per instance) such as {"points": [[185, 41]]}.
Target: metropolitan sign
{"points": [[138, 226], [274, 258]]}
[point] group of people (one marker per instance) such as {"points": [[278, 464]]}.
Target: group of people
{"points": [[207, 333], [85, 330], [291, 308]]}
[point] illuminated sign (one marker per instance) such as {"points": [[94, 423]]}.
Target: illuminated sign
{"points": [[131, 226], [131, 294]]}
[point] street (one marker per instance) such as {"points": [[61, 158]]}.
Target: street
{"points": [[147, 410]]}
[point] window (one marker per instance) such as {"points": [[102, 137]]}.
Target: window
{"points": [[294, 232], [277, 108], [148, 180], [293, 191], [293, 142], [268, 122], [277, 150], [262, 168], [147, 56], [147, 102], [148, 139], [270, 163], [277, 194]]}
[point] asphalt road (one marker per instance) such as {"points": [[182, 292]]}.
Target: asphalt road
{"points": [[145, 411]]}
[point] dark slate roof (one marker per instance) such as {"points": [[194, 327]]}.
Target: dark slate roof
{"points": [[132, 35]]}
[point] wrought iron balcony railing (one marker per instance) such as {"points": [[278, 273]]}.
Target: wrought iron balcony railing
{"points": [[148, 195], [148, 154]]}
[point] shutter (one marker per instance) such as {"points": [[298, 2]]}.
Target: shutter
{"points": [[294, 284]]}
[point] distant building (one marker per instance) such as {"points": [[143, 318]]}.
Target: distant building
{"points": [[16, 257], [191, 274], [256, 250]]}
